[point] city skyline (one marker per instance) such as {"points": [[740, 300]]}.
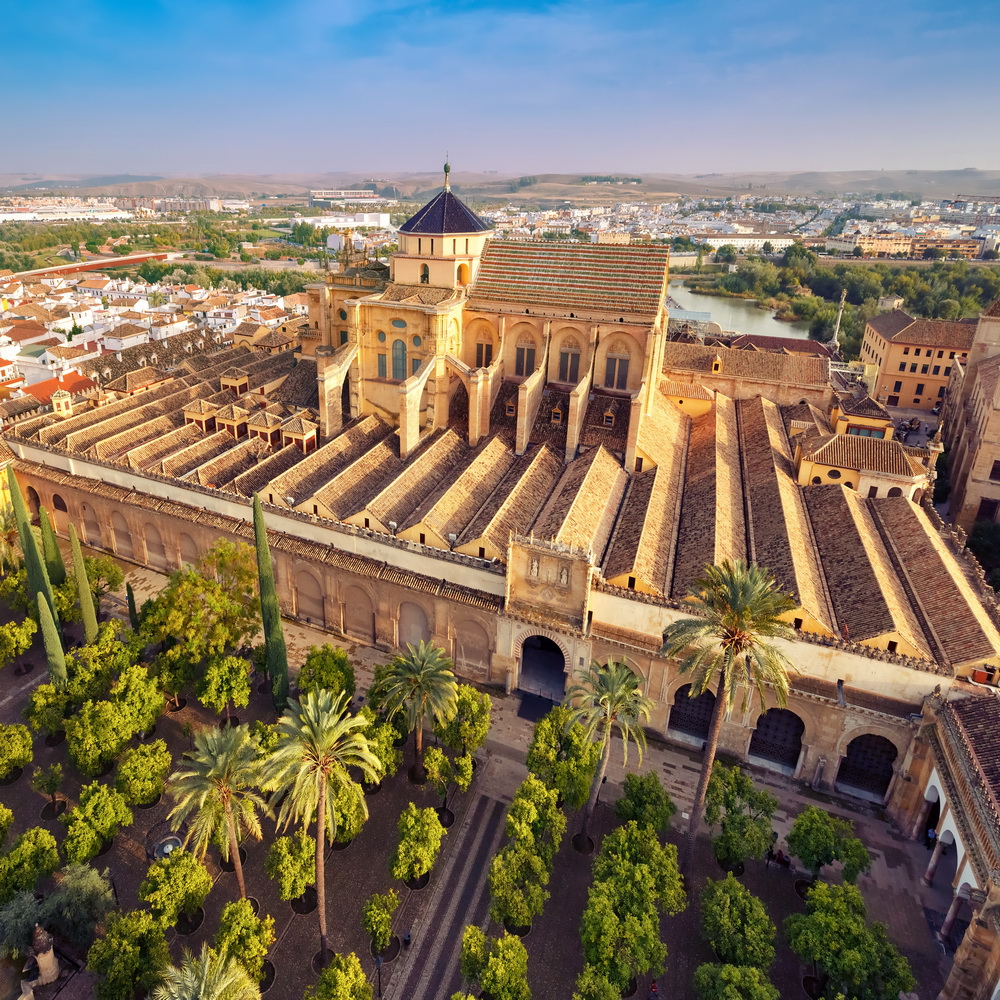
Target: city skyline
{"points": [[523, 86]]}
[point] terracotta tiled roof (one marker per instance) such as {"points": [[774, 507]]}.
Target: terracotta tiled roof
{"points": [[625, 280], [427, 295], [993, 309], [901, 328], [72, 382], [862, 406], [852, 451], [139, 379], [699, 358], [686, 390], [793, 345], [978, 720]]}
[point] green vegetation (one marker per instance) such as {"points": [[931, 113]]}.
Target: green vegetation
{"points": [[607, 700], [15, 748], [420, 836], [498, 965], [142, 772], [175, 885], [31, 857], [646, 802], [735, 923], [329, 668], [343, 979], [729, 646], [244, 937], [291, 863], [744, 813], [563, 756], [88, 611], [131, 956], [818, 839], [274, 636], [377, 918], [94, 821], [800, 288], [733, 982]]}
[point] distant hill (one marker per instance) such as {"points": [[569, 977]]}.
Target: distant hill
{"points": [[539, 189]]}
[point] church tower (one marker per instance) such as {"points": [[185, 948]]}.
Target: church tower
{"points": [[441, 244]]}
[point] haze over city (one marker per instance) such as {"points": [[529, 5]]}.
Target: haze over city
{"points": [[249, 87]]}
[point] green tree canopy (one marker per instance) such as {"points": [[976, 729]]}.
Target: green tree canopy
{"points": [[142, 772], [535, 821], [174, 885], [343, 979], [291, 862], [733, 982], [735, 923], [209, 975], [744, 812], [329, 668], [858, 958], [95, 819], [96, 735], [466, 731], [818, 838], [131, 956], [15, 748], [563, 756], [645, 801], [245, 937], [225, 682], [518, 878], [377, 918], [32, 856], [15, 639], [420, 836]]}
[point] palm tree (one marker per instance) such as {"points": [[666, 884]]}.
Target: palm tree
{"points": [[728, 644], [206, 976], [216, 790], [420, 682], [319, 741], [607, 698]]}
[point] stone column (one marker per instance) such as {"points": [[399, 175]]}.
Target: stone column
{"points": [[928, 876], [919, 828], [949, 920]]}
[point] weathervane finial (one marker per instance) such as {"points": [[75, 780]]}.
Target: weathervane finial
{"points": [[447, 172]]}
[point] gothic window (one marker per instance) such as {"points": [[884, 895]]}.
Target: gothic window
{"points": [[616, 372], [381, 366], [415, 365], [569, 362], [524, 359], [399, 359], [484, 355], [425, 274]]}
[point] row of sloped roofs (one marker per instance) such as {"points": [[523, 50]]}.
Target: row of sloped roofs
{"points": [[723, 488]]}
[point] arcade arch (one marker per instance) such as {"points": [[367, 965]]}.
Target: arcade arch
{"points": [[412, 628], [309, 597], [156, 554], [187, 549], [777, 740], [121, 536], [359, 615], [543, 668], [867, 766], [690, 718], [91, 526]]}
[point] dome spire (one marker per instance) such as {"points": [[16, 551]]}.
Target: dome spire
{"points": [[447, 174]]}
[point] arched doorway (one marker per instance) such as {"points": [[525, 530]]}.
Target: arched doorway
{"points": [[543, 668], [188, 550], [777, 741], [690, 717], [309, 597], [156, 554], [91, 527], [345, 399], [33, 502], [359, 615], [866, 769], [458, 409], [60, 519], [122, 536], [413, 628]]}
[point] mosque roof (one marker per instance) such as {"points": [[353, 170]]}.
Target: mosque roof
{"points": [[443, 215]]}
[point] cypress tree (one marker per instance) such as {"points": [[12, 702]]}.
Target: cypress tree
{"points": [[53, 645], [38, 578], [83, 591], [54, 564], [133, 614], [274, 634]]}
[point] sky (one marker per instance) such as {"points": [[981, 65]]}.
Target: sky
{"points": [[308, 86]]}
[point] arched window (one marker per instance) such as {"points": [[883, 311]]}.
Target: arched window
{"points": [[425, 274], [895, 491], [524, 359], [484, 350], [616, 368], [399, 359], [569, 361], [463, 274]]}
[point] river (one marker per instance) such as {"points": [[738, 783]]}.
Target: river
{"points": [[741, 315]]}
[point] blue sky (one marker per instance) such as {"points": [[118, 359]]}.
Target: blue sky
{"points": [[295, 86]]}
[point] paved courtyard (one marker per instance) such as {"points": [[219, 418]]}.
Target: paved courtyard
{"points": [[457, 894]]}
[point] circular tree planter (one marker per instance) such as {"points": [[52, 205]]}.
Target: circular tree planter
{"points": [[736, 869], [317, 965], [56, 738], [263, 687], [630, 989], [418, 883], [400, 741], [417, 775], [106, 770], [106, 846], [813, 986], [342, 845], [189, 924], [149, 805], [148, 734], [445, 816], [11, 776], [305, 903], [50, 811], [23, 668], [582, 844], [181, 704], [266, 976], [233, 720], [802, 887], [229, 866], [371, 789], [521, 932], [387, 954], [254, 904]]}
